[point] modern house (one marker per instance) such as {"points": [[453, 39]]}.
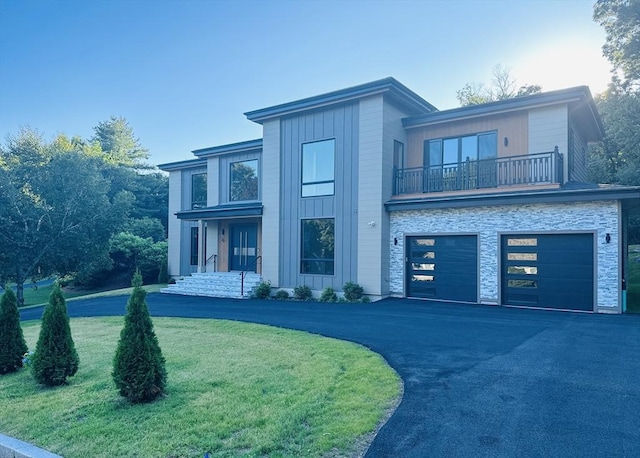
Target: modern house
{"points": [[372, 184]]}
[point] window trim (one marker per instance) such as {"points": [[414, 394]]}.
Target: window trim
{"points": [[426, 148], [257, 177], [323, 260], [200, 203], [320, 182]]}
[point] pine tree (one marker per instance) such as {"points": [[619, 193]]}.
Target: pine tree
{"points": [[55, 357], [138, 366], [12, 344]]}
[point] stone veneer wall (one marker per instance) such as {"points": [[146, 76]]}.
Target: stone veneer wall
{"points": [[489, 222]]}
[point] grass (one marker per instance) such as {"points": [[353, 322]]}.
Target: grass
{"points": [[40, 295], [234, 389], [633, 280]]}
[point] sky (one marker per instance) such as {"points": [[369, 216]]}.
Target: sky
{"points": [[184, 72]]}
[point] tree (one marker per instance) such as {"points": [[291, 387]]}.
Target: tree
{"points": [[118, 143], [503, 86], [138, 365], [621, 22], [55, 357], [55, 210], [12, 344]]}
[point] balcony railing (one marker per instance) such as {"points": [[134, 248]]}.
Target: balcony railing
{"points": [[539, 168]]}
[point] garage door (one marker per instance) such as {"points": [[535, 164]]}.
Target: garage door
{"points": [[443, 267], [548, 271]]}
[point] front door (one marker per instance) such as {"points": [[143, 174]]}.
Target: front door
{"points": [[243, 247]]}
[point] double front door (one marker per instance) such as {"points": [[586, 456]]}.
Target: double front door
{"points": [[243, 247]]}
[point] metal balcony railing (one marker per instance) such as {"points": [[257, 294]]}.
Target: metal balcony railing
{"points": [[539, 168]]}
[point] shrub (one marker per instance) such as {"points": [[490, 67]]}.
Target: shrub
{"points": [[303, 293], [282, 295], [12, 344], [328, 295], [352, 291], [365, 299], [55, 357], [263, 290], [138, 365]]}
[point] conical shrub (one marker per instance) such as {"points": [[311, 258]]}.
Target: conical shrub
{"points": [[12, 344], [138, 365], [55, 357]]}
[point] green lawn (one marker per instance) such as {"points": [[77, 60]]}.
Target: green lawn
{"points": [[40, 295], [633, 280], [233, 389]]}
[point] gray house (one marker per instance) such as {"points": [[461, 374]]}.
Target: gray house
{"points": [[372, 184]]}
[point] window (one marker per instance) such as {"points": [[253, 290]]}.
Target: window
{"points": [[398, 155], [318, 171], [451, 151], [244, 180], [318, 245], [194, 247], [198, 190]]}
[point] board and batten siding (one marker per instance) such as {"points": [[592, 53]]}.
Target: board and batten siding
{"points": [[185, 240], [548, 128], [489, 223], [339, 123], [271, 195], [174, 228]]}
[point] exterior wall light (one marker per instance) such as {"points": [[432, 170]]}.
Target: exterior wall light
{"points": [[607, 238]]}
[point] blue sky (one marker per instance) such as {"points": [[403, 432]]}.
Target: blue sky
{"points": [[184, 72]]}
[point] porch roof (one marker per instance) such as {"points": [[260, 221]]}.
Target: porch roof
{"points": [[223, 211]]}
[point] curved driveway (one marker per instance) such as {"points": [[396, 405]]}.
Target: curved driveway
{"points": [[479, 380]]}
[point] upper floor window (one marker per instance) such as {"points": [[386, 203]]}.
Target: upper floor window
{"points": [[198, 190], [244, 180], [449, 151], [398, 155], [318, 168]]}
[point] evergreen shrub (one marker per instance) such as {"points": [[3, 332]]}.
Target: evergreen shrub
{"points": [[12, 344], [328, 295], [282, 295], [263, 290], [352, 291], [55, 357], [138, 365], [303, 293]]}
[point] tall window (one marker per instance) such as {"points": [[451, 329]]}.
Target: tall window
{"points": [[244, 180], [198, 190], [318, 246], [194, 247], [318, 168]]}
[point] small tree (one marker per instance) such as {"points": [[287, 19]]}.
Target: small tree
{"points": [[55, 357], [12, 344], [138, 366]]}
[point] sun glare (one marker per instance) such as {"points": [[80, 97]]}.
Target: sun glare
{"points": [[567, 65]]}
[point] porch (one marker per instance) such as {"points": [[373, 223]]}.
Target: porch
{"points": [[529, 169]]}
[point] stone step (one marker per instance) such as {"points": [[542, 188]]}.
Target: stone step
{"points": [[215, 284]]}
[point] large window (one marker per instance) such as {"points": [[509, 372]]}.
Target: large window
{"points": [[318, 170], [318, 246], [244, 180], [450, 151], [198, 190]]}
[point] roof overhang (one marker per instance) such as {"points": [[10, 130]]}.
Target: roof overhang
{"points": [[598, 193], [240, 147], [180, 165], [577, 98], [387, 86], [222, 212]]}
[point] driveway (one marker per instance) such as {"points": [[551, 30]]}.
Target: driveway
{"points": [[479, 380]]}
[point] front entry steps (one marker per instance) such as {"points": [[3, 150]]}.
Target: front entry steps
{"points": [[215, 284]]}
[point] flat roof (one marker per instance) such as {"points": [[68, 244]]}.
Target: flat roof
{"points": [[238, 147], [188, 164]]}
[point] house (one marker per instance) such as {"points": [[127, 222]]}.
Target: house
{"points": [[372, 184]]}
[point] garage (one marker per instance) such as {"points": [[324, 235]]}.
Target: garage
{"points": [[548, 271], [443, 267]]}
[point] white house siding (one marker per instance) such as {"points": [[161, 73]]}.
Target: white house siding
{"points": [[175, 196], [370, 197], [270, 184], [490, 222]]}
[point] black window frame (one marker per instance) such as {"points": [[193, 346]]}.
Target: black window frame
{"points": [[195, 204], [231, 164], [193, 257], [440, 141], [306, 261], [310, 184]]}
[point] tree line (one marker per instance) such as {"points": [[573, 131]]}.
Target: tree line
{"points": [[87, 210]]}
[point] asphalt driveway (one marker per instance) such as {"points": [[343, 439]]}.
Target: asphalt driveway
{"points": [[479, 380]]}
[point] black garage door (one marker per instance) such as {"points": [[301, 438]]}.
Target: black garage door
{"points": [[443, 267], [549, 271]]}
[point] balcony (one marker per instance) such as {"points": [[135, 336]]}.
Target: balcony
{"points": [[539, 168]]}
